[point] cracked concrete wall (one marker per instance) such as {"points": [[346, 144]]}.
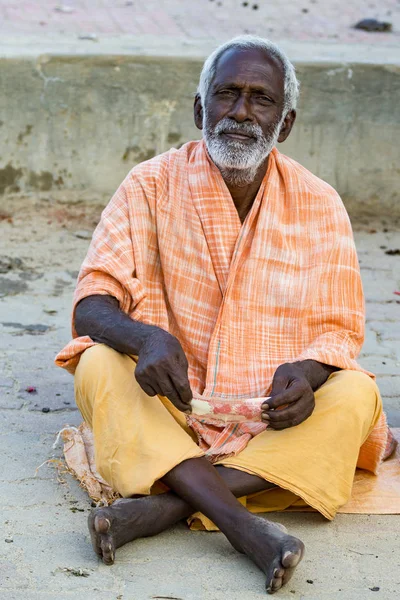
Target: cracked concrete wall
{"points": [[81, 122]]}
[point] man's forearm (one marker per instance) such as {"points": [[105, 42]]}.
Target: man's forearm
{"points": [[315, 372], [100, 318]]}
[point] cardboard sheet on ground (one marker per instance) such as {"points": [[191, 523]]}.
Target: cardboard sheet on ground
{"points": [[379, 495]]}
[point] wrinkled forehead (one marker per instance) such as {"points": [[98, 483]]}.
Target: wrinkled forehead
{"points": [[251, 67]]}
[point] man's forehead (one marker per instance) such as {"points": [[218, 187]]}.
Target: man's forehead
{"points": [[249, 64]]}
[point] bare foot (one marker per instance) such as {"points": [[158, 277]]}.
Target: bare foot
{"points": [[267, 544], [128, 519], [271, 548]]}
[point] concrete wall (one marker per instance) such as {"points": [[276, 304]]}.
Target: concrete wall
{"points": [[81, 122]]}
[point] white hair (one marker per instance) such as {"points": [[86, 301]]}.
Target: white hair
{"points": [[291, 83]]}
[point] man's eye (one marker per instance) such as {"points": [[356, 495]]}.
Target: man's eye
{"points": [[264, 99], [227, 93]]}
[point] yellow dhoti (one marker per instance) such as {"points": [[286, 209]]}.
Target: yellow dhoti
{"points": [[138, 438]]}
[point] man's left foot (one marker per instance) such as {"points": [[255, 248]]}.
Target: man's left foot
{"points": [[128, 519]]}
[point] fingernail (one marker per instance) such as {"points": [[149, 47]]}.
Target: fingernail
{"points": [[265, 416]]}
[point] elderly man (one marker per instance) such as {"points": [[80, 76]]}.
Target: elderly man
{"points": [[217, 319]]}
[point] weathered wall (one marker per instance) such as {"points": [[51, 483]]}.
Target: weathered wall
{"points": [[81, 123]]}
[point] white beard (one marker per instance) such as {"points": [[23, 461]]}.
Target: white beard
{"points": [[237, 161]]}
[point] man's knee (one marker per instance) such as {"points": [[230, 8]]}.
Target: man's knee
{"points": [[355, 390], [101, 362], [96, 356]]}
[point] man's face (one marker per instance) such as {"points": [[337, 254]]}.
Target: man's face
{"points": [[242, 116]]}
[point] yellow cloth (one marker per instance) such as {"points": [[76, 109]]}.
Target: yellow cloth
{"points": [[138, 438]]}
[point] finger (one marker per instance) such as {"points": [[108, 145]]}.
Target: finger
{"points": [[172, 394], [294, 410], [182, 386], [280, 382], [291, 394], [290, 422], [147, 388], [152, 387]]}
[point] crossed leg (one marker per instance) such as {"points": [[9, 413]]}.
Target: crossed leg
{"points": [[197, 485], [141, 439]]}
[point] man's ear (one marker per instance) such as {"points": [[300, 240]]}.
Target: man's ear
{"points": [[198, 112], [287, 125]]}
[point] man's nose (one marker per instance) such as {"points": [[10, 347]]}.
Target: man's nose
{"points": [[241, 110]]}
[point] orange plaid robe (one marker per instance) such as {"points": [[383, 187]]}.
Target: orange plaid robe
{"points": [[241, 298]]}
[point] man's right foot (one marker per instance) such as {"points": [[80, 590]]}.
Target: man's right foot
{"points": [[270, 547]]}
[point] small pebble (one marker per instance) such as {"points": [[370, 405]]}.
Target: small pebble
{"points": [[375, 589], [310, 581], [9, 540], [64, 9], [372, 25], [45, 409], [83, 235], [89, 36], [31, 389]]}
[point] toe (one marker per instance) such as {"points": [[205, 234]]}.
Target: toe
{"points": [[107, 550], [279, 572], [275, 579], [274, 585], [287, 575], [93, 534], [102, 525], [103, 545], [291, 558]]}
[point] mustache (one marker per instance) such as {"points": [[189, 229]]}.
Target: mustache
{"points": [[227, 125]]}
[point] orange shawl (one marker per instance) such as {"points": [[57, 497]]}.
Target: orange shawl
{"points": [[283, 286]]}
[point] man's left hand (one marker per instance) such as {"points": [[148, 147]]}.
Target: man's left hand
{"points": [[291, 390]]}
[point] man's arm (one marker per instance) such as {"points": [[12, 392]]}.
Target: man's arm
{"points": [[162, 365], [293, 389]]}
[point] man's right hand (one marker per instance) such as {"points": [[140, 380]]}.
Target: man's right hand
{"points": [[162, 369]]}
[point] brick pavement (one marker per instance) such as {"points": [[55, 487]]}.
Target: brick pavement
{"points": [[301, 20]]}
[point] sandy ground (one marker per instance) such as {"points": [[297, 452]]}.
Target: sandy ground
{"points": [[43, 515]]}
